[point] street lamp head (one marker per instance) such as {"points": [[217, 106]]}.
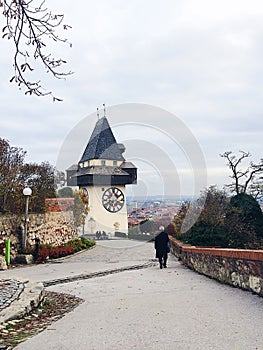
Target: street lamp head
{"points": [[27, 191]]}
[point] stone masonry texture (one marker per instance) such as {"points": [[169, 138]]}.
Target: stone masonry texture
{"points": [[51, 228], [236, 267]]}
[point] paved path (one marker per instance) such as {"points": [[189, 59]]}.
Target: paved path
{"points": [[173, 308], [106, 255]]}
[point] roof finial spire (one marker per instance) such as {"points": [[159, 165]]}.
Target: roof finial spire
{"points": [[104, 109], [98, 115]]}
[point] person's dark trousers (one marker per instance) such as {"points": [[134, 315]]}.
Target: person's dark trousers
{"points": [[163, 261]]}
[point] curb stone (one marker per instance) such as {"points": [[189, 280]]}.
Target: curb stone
{"points": [[31, 297]]}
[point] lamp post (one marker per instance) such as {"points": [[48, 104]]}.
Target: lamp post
{"points": [[27, 193]]}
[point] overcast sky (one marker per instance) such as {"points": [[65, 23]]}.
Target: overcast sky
{"points": [[199, 61]]}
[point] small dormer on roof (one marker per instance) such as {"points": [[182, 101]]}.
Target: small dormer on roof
{"points": [[102, 144]]}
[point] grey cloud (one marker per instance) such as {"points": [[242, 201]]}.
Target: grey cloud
{"points": [[200, 61]]}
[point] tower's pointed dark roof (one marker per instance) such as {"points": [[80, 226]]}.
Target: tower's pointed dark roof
{"points": [[102, 143]]}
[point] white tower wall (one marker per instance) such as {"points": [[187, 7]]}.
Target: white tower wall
{"points": [[100, 219]]}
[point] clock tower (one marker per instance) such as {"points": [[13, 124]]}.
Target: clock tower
{"points": [[102, 174]]}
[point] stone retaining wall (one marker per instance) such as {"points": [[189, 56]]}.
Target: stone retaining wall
{"points": [[237, 267], [52, 228]]}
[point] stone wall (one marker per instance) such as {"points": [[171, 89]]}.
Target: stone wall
{"points": [[52, 228], [237, 267]]}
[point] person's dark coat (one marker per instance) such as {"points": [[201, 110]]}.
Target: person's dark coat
{"points": [[160, 244]]}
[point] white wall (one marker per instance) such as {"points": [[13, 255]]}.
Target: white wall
{"points": [[103, 219]]}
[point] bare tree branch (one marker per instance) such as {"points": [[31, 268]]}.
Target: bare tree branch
{"points": [[248, 175], [255, 169], [31, 26]]}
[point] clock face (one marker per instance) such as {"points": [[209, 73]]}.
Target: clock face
{"points": [[113, 199]]}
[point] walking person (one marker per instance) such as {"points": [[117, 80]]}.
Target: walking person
{"points": [[160, 245]]}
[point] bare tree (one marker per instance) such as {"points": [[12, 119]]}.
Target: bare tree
{"points": [[32, 26], [243, 180], [11, 162], [256, 189], [15, 175]]}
